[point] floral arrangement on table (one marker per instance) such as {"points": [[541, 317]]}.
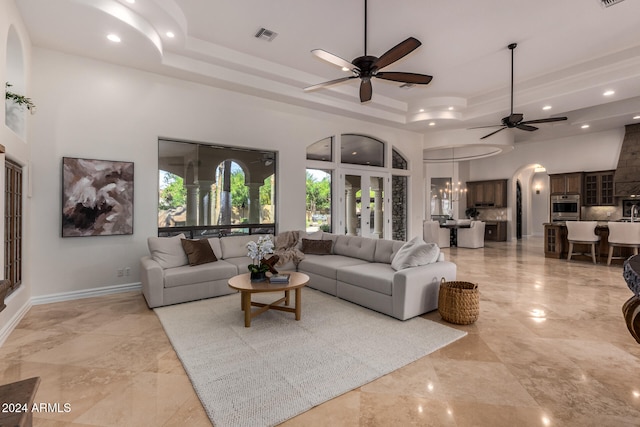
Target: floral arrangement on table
{"points": [[257, 251]]}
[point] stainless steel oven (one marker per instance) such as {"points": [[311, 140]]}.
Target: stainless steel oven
{"points": [[565, 208]]}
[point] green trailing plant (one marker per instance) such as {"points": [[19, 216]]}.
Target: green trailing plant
{"points": [[21, 100]]}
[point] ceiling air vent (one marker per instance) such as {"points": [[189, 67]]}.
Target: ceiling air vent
{"points": [[265, 34], [609, 3]]}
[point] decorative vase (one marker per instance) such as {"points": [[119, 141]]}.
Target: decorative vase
{"points": [[259, 276]]}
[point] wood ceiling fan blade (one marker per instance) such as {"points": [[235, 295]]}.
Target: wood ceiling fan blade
{"points": [[549, 120], [419, 79], [327, 84], [522, 126], [366, 90], [494, 132], [398, 51], [515, 117], [485, 127], [333, 59]]}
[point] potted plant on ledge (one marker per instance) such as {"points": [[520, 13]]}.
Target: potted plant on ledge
{"points": [[257, 251], [20, 100]]}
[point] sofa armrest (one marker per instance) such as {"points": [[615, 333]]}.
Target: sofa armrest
{"points": [[152, 278], [415, 290]]}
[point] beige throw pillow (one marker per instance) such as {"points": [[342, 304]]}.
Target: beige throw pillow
{"points": [[167, 251], [415, 253]]}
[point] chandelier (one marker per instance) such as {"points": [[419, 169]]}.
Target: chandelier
{"points": [[454, 192]]}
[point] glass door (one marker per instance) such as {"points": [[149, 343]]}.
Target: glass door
{"points": [[364, 204]]}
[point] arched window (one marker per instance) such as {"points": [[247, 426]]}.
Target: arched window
{"points": [[361, 150]]}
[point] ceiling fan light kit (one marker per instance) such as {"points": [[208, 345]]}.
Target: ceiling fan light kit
{"points": [[365, 67], [515, 120]]}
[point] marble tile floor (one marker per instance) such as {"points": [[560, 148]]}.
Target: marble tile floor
{"points": [[550, 349]]}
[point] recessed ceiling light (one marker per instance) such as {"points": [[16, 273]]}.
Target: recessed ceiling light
{"points": [[421, 110], [450, 108], [114, 38], [432, 123], [131, 1], [584, 126], [546, 107], [609, 93], [345, 69], [170, 34], [636, 117], [354, 153]]}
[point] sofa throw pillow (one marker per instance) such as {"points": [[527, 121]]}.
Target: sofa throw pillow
{"points": [[415, 253], [198, 251], [316, 247], [167, 251]]}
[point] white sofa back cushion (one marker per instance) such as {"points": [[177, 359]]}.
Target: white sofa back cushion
{"points": [[355, 247], [236, 246], [215, 245], [168, 251], [386, 250], [415, 253]]}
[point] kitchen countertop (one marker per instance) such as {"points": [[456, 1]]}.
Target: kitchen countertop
{"points": [[600, 223]]}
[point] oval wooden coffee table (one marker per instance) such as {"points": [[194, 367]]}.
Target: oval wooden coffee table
{"points": [[243, 284]]}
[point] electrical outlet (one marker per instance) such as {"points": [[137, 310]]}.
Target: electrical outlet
{"points": [[608, 214], [120, 272], [127, 271]]}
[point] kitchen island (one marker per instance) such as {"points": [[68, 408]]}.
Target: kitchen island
{"points": [[556, 244]]}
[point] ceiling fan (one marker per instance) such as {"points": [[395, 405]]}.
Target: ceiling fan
{"points": [[515, 120], [365, 67]]}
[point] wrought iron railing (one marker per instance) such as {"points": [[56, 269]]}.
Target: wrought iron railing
{"points": [[205, 231]]}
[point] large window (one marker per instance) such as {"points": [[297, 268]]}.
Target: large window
{"points": [[318, 200], [13, 223], [214, 190]]}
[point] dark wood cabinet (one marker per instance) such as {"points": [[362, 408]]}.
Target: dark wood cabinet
{"points": [[566, 183], [495, 231], [598, 189], [487, 194]]}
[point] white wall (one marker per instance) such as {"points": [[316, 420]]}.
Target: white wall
{"points": [[17, 149], [96, 110]]}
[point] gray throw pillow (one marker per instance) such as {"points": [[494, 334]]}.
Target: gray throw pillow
{"points": [[415, 253], [167, 251]]}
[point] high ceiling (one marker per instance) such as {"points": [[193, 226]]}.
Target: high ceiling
{"points": [[569, 53]]}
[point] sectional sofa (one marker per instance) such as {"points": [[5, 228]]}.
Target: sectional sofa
{"points": [[353, 268]]}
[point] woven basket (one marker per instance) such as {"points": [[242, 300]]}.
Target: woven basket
{"points": [[459, 302]]}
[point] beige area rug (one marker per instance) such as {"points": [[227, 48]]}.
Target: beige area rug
{"points": [[279, 367]]}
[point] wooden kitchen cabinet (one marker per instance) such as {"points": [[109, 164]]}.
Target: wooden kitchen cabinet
{"points": [[487, 194], [495, 231], [566, 183], [598, 189]]}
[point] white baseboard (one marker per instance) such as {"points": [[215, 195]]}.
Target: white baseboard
{"points": [[6, 329], [85, 293]]}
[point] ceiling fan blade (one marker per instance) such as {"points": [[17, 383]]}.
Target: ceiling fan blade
{"points": [[484, 127], [329, 83], [494, 132], [335, 60], [419, 79], [549, 120], [515, 117], [522, 126], [397, 52], [365, 90]]}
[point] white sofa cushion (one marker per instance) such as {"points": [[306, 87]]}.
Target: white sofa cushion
{"points": [[377, 277], [386, 250], [236, 246], [189, 275], [355, 247], [326, 265], [415, 253], [215, 245], [168, 251]]}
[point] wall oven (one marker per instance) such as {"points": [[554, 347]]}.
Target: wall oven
{"points": [[565, 208]]}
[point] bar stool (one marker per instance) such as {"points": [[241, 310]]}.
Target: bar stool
{"points": [[623, 234], [582, 232]]}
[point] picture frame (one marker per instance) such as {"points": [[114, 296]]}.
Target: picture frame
{"points": [[97, 197]]}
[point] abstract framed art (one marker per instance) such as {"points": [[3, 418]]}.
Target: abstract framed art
{"points": [[97, 197]]}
